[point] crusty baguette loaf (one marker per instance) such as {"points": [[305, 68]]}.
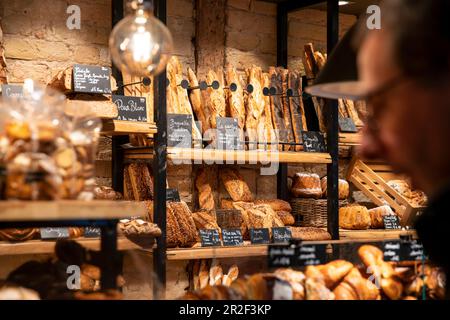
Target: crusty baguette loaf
{"points": [[277, 106], [205, 220], [286, 108], [204, 188], [254, 106], [218, 105], [128, 193], [235, 100], [276, 204], [351, 110], [270, 134], [296, 107], [141, 181], [203, 274], [187, 230], [342, 109], [215, 274], [235, 185], [319, 106], [320, 60], [197, 101], [310, 57], [172, 229]]}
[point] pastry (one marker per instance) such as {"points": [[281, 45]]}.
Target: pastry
{"points": [[296, 279], [343, 188], [392, 288], [309, 234], [235, 185], [316, 290], [355, 287], [204, 188], [331, 273], [372, 257], [306, 185], [286, 217], [354, 218], [377, 214], [275, 204]]}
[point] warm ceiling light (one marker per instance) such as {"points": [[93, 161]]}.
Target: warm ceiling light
{"points": [[140, 44], [344, 3]]}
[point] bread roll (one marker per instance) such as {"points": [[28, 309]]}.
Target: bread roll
{"points": [[343, 188], [306, 185], [377, 214], [235, 185], [354, 217]]}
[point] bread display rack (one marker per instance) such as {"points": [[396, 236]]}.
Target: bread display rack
{"points": [[70, 213]]}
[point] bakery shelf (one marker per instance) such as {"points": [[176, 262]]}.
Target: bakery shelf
{"points": [[48, 247], [232, 156], [119, 127], [17, 211], [349, 139], [373, 235]]}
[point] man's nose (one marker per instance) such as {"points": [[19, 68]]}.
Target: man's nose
{"points": [[371, 147]]}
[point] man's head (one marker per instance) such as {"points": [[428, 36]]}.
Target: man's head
{"points": [[406, 65]]}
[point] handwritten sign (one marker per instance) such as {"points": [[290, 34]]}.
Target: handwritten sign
{"points": [[12, 90], [309, 255], [281, 256], [91, 79], [392, 251], [209, 237], [228, 134], [313, 141], [54, 233], [131, 108], [92, 232], [391, 222], [179, 128], [259, 236], [281, 235], [347, 125], [412, 251], [232, 237], [172, 195]]}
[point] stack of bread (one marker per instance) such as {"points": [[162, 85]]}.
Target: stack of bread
{"points": [[207, 272], [374, 279], [358, 217]]}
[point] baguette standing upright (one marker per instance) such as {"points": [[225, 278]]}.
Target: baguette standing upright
{"points": [[235, 99], [217, 97], [199, 107], [277, 106], [296, 106]]}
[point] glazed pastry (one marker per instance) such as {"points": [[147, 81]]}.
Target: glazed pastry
{"points": [[331, 273], [354, 218], [343, 188], [306, 185], [355, 287], [316, 290]]}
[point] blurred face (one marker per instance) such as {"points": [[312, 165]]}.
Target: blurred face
{"points": [[409, 123]]}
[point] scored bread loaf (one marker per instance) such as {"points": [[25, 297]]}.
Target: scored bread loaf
{"points": [[286, 108], [296, 107], [286, 217], [205, 220], [217, 97], [269, 212], [343, 188], [306, 185], [377, 214], [277, 106], [309, 234], [235, 100], [276, 204], [141, 181], [254, 106], [235, 185], [198, 105], [270, 134], [187, 230], [354, 217], [172, 229], [204, 188]]}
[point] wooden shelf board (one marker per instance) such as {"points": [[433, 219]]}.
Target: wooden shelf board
{"points": [[69, 210], [349, 139], [371, 235], [116, 127], [216, 252], [232, 156], [48, 246]]}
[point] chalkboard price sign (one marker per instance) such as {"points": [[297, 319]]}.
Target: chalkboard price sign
{"points": [[131, 108], [259, 236], [92, 232], [228, 134], [281, 235], [12, 90], [313, 141], [54, 233], [172, 195], [309, 255], [392, 251], [91, 79], [412, 251], [179, 128], [209, 237], [347, 125], [281, 256], [391, 222], [232, 237]]}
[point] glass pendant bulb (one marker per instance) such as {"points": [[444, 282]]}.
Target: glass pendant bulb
{"points": [[140, 44]]}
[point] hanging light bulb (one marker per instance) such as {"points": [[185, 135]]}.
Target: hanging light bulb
{"points": [[140, 44]]}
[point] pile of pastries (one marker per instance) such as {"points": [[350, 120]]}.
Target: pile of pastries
{"points": [[46, 152], [415, 197], [374, 279]]}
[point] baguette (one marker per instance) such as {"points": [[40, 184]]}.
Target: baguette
{"points": [[254, 105], [296, 108], [351, 110], [203, 274], [235, 99], [215, 274], [286, 108], [218, 105], [311, 59], [141, 181], [235, 185], [205, 192], [197, 102], [270, 134], [277, 106]]}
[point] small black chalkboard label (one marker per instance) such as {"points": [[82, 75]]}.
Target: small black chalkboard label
{"points": [[310, 254], [392, 251], [347, 125], [91, 79], [281, 235], [131, 108], [412, 251], [172, 195], [391, 222], [179, 130], [259, 236], [281, 256], [313, 141], [228, 134], [209, 237], [12, 90], [232, 237], [54, 233], [92, 232]]}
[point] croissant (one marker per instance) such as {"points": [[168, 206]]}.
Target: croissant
{"points": [[355, 287], [330, 273], [392, 288]]}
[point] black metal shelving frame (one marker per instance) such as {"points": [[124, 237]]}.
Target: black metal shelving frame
{"points": [[160, 141]]}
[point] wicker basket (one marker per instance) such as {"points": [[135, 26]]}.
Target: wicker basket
{"points": [[312, 212]]}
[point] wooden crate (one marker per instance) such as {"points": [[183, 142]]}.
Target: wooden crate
{"points": [[370, 179]]}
